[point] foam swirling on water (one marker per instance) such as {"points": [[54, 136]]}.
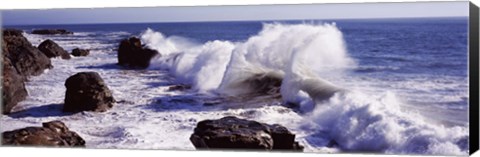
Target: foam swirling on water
{"points": [[301, 55]]}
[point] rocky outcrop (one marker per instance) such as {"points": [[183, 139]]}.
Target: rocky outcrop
{"points": [[52, 49], [12, 32], [264, 84], [20, 60], [51, 31], [53, 133], [13, 84], [27, 59], [86, 91], [80, 52], [234, 133], [132, 54]]}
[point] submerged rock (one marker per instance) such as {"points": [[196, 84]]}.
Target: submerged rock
{"points": [[51, 31], [86, 91], [265, 84], [255, 85], [53, 133], [27, 59], [179, 87], [131, 53], [52, 49], [234, 133], [80, 52], [13, 84]]}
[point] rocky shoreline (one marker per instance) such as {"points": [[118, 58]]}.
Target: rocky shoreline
{"points": [[86, 91], [21, 60]]}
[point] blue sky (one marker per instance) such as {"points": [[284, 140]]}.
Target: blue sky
{"points": [[235, 13]]}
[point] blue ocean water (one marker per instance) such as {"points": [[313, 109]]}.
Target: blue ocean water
{"points": [[430, 51]]}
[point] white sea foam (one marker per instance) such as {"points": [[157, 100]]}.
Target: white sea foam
{"points": [[227, 65], [360, 122], [199, 65], [300, 55]]}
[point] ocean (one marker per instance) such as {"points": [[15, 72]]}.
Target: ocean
{"points": [[404, 82]]}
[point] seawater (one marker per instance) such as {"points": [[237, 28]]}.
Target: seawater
{"points": [[406, 79]]}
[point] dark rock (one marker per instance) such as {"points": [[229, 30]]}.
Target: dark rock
{"points": [[211, 103], [53, 133], [51, 31], [179, 87], [234, 133], [80, 52], [12, 32], [52, 49], [131, 53], [13, 84], [27, 59], [86, 91], [264, 84]]}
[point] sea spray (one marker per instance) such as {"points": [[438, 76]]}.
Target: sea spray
{"points": [[226, 66], [272, 51], [201, 65], [205, 65], [359, 122], [302, 56], [162, 44]]}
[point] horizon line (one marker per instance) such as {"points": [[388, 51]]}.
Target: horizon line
{"points": [[241, 20]]}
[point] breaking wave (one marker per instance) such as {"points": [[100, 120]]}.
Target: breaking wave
{"points": [[293, 58]]}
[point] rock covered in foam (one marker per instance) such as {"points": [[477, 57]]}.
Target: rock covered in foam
{"points": [[77, 52], [54, 133], [86, 91], [264, 84], [131, 53], [27, 59], [52, 49], [235, 133], [51, 31]]}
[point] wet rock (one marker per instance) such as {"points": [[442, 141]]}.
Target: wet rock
{"points": [[80, 52], [12, 32], [27, 59], [265, 84], [86, 91], [132, 54], [13, 85], [51, 31], [179, 87], [212, 103], [53, 133], [234, 133], [52, 49]]}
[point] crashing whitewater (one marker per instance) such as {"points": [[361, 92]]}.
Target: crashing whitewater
{"points": [[300, 56]]}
